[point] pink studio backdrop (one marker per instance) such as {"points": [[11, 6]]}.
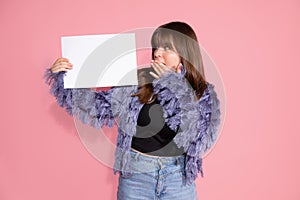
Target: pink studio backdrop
{"points": [[255, 45]]}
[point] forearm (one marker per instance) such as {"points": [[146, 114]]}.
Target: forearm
{"points": [[91, 107], [56, 83]]}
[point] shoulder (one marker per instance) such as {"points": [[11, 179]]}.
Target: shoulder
{"points": [[208, 92], [209, 100]]}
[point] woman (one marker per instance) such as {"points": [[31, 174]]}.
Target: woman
{"points": [[166, 123]]}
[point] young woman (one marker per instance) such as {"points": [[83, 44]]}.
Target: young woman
{"points": [[166, 123]]}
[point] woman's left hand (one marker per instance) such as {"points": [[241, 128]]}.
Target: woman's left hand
{"points": [[161, 69]]}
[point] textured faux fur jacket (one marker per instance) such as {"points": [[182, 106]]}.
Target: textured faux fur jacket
{"points": [[198, 121]]}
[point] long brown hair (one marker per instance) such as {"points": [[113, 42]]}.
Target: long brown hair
{"points": [[181, 38]]}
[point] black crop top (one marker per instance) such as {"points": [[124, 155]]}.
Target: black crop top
{"points": [[153, 136]]}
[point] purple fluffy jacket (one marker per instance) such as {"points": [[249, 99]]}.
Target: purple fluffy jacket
{"points": [[198, 121]]}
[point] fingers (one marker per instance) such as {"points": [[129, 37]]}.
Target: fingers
{"points": [[154, 75], [61, 64], [162, 68], [159, 68], [178, 69]]}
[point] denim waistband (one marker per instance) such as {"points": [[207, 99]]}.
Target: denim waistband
{"points": [[160, 160]]}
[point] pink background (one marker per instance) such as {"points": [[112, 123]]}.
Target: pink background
{"points": [[254, 44]]}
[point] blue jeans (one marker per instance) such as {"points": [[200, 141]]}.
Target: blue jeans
{"points": [[156, 178]]}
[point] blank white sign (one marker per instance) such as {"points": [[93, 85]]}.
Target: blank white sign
{"points": [[100, 60]]}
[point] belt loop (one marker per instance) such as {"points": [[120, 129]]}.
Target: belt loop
{"points": [[159, 163], [136, 156], [177, 161]]}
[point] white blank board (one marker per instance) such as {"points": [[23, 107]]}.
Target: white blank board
{"points": [[100, 60]]}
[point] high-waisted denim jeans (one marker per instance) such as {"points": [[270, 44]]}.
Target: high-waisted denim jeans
{"points": [[156, 178]]}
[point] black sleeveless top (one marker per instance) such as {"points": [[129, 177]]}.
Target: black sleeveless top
{"points": [[153, 136]]}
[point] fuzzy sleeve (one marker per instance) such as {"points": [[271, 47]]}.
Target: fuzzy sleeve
{"points": [[198, 120], [91, 107], [207, 132], [179, 100], [208, 124]]}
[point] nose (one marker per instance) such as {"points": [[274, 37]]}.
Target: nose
{"points": [[158, 55]]}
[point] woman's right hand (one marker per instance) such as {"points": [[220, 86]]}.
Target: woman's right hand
{"points": [[61, 64]]}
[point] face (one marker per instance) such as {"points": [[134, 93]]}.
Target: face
{"points": [[168, 57]]}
